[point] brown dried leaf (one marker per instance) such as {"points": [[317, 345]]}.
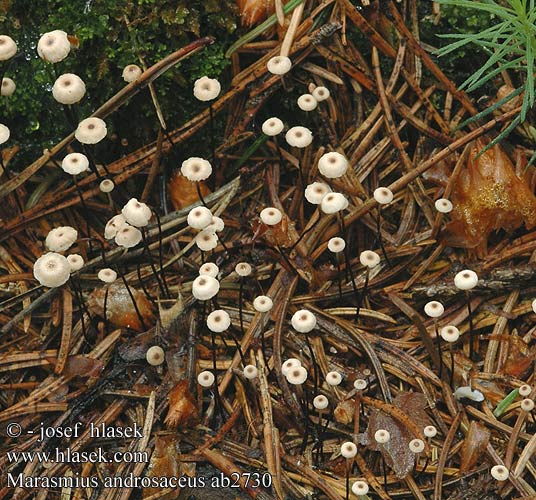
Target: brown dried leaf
{"points": [[396, 452], [475, 443], [182, 409], [120, 310], [488, 196], [512, 103], [344, 412], [163, 462], [183, 192], [254, 11], [82, 366], [520, 357]]}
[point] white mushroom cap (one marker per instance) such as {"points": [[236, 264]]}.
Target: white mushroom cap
{"points": [[360, 488], [383, 195], [333, 378], [54, 46], [52, 269], [216, 224], [525, 390], [297, 375], [369, 259], [315, 192], [243, 269], [430, 431], [279, 65], [75, 163], [320, 402], [382, 436], [307, 102], [443, 205], [289, 364], [348, 449], [500, 472], [250, 372], [262, 303], [91, 130], [4, 133], [155, 355], [336, 244], [468, 393], [107, 186], [333, 203], [218, 321], [131, 72], [271, 216], [299, 137], [76, 262], [332, 165], [114, 225], [136, 213], [527, 405], [206, 240], [205, 287], [8, 87], [321, 93], [209, 269], [8, 47], [416, 445], [360, 384], [449, 333], [465, 280], [272, 126], [206, 379], [128, 236], [196, 169], [206, 89], [61, 238], [303, 321], [107, 275], [199, 217], [434, 309], [68, 89]]}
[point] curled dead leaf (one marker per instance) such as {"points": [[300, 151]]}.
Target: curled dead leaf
{"points": [[254, 11], [487, 196], [344, 412], [183, 192], [120, 309], [163, 462], [474, 444], [182, 409], [396, 451]]}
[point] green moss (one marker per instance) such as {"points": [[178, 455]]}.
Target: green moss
{"points": [[106, 46]]}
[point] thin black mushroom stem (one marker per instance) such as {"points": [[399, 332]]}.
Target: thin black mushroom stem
{"points": [[370, 260], [76, 286], [450, 334], [434, 310], [219, 321], [297, 377], [382, 436], [466, 280], [348, 451], [123, 279], [320, 403], [383, 196], [304, 322], [349, 263]]}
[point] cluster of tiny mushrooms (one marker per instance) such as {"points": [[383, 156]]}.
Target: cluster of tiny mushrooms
{"points": [[127, 229]]}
